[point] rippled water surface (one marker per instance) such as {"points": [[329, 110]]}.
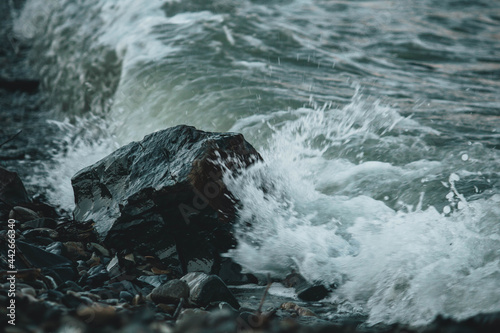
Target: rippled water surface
{"points": [[379, 124]]}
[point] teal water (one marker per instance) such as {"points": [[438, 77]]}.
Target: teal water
{"points": [[379, 124]]}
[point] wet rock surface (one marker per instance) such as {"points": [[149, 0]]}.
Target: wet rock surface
{"points": [[171, 292], [206, 289], [164, 196]]}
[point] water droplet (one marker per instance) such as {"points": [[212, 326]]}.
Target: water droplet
{"points": [[465, 157], [454, 177], [386, 198], [446, 209], [461, 205]]}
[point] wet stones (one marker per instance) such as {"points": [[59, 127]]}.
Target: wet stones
{"points": [[171, 292], [205, 289], [164, 196]]}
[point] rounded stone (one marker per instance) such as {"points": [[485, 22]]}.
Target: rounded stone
{"points": [[170, 292]]}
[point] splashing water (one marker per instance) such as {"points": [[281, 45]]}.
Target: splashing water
{"points": [[406, 265], [79, 146]]}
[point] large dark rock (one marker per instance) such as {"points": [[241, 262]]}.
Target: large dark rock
{"points": [[164, 196]]}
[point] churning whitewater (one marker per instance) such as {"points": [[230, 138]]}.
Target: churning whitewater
{"points": [[378, 126]]}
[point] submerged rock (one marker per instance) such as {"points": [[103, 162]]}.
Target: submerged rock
{"points": [[164, 196], [305, 290]]}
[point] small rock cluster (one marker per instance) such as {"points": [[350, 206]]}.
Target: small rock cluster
{"points": [[66, 277]]}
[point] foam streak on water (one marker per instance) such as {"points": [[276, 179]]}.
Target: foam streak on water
{"points": [[378, 122]]}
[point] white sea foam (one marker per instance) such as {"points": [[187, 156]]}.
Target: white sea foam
{"points": [[80, 145], [406, 265], [413, 266]]}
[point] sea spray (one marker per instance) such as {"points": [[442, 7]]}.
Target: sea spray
{"points": [[81, 142], [395, 261]]}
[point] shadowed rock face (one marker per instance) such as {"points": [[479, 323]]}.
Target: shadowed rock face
{"points": [[12, 192], [164, 195]]}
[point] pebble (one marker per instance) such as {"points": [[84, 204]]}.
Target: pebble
{"points": [[28, 291], [170, 292], [138, 299], [167, 308], [102, 250], [72, 300], [94, 297], [205, 289], [110, 301], [97, 315], [305, 290], [75, 250], [69, 286], [54, 295], [97, 275], [126, 296], [23, 214]]}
